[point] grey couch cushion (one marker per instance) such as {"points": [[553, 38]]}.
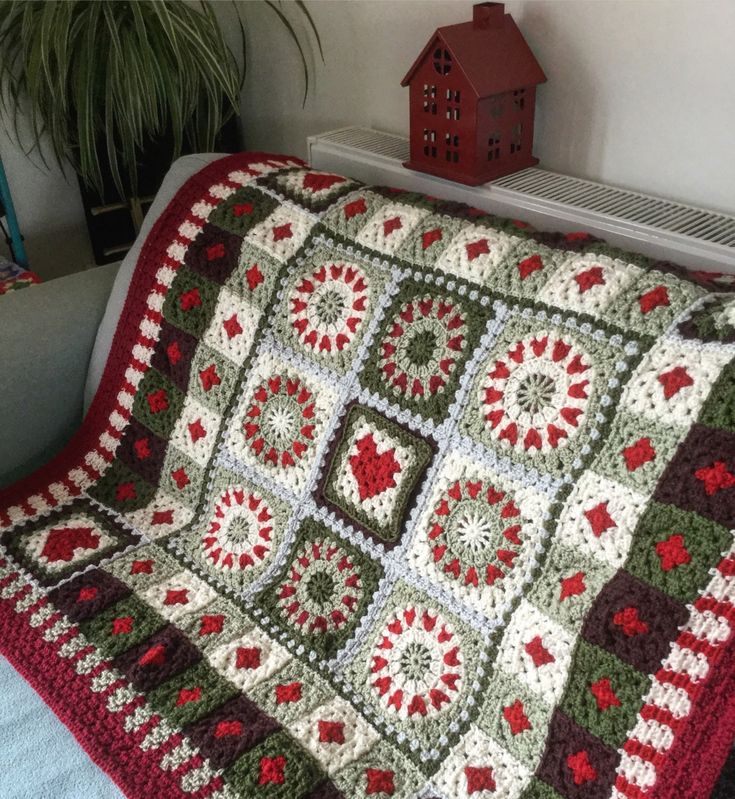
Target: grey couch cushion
{"points": [[181, 170], [48, 332]]}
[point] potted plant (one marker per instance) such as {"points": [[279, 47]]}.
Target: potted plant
{"points": [[120, 88]]}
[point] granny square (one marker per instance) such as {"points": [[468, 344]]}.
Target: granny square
{"points": [[281, 233], [327, 304], [280, 421], [652, 301], [671, 547], [242, 210], [190, 302], [162, 515], [349, 215], [475, 253], [253, 279], [226, 333], [67, 541], [389, 227], [383, 497], [212, 379], [122, 489], [374, 470], [421, 348], [214, 254], [143, 451], [542, 393], [479, 534], [324, 589], [418, 666], [589, 283], [239, 533], [309, 188], [477, 765], [173, 354]]}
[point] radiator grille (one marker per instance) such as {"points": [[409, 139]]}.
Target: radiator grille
{"points": [[653, 224], [370, 141], [631, 206]]}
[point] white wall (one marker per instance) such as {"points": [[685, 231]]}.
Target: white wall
{"points": [[49, 211], [641, 93]]}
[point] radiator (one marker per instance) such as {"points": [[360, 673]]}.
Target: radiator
{"points": [[693, 237]]}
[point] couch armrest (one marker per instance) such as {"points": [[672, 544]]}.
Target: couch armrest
{"points": [[46, 337]]}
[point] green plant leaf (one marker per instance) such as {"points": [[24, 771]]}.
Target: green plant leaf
{"points": [[305, 11], [292, 33], [110, 76]]}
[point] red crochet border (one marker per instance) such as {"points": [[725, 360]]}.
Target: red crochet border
{"points": [[55, 680], [68, 693], [152, 256], [99, 732], [698, 748]]}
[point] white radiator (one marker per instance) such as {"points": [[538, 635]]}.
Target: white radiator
{"points": [[693, 237]]}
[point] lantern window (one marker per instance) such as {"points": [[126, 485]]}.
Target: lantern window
{"points": [[516, 138], [442, 61], [451, 144], [493, 147], [496, 106]]}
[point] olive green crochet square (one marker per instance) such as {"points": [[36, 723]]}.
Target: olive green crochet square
{"points": [[215, 624], [352, 213], [291, 693], [527, 268], [157, 403], [516, 718], [719, 409], [300, 771], [190, 301], [243, 210], [567, 585], [324, 588], [605, 694], [420, 351], [123, 625], [255, 275], [431, 236], [122, 489], [181, 477], [675, 549], [146, 566], [406, 779], [652, 302], [191, 695]]}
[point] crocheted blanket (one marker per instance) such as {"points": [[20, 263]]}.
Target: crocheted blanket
{"points": [[382, 496]]}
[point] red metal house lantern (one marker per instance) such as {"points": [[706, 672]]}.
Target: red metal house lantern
{"points": [[472, 99]]}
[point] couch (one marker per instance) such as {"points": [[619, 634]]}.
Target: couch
{"points": [[55, 339]]}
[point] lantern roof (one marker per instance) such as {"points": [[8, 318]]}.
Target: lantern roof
{"points": [[489, 50]]}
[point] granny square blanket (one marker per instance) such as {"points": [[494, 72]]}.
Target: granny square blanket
{"points": [[382, 496]]}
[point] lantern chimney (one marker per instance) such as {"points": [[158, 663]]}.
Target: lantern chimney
{"points": [[487, 15]]}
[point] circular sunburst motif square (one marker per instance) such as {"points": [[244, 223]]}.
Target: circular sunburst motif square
{"points": [[542, 393]]}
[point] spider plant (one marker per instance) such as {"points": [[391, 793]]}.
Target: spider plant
{"points": [[106, 76]]}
